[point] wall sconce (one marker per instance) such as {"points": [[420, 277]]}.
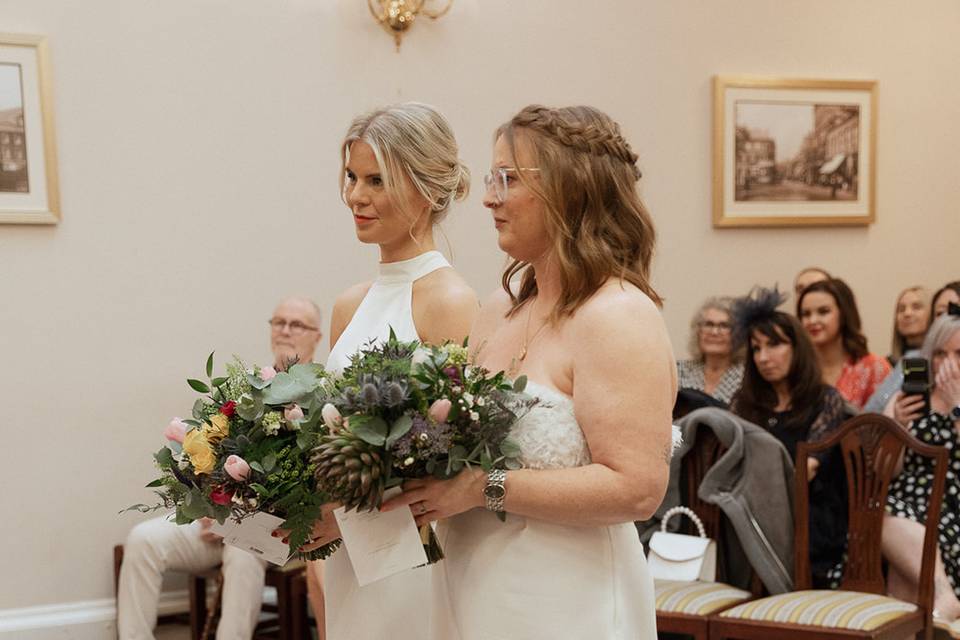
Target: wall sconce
{"points": [[396, 16]]}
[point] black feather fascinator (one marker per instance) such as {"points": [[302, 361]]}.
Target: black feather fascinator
{"points": [[754, 308]]}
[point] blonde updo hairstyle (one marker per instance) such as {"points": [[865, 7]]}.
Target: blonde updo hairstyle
{"points": [[414, 139], [587, 182]]}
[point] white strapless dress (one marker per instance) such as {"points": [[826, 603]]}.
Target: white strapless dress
{"points": [[527, 579]]}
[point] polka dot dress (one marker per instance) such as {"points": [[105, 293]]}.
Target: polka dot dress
{"points": [[910, 491]]}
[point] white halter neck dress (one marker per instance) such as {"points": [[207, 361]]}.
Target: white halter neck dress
{"points": [[395, 608]]}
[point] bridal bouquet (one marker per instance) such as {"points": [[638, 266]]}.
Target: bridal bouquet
{"points": [[406, 410], [246, 449]]}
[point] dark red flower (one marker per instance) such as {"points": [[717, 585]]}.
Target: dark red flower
{"points": [[453, 373], [221, 496], [229, 409]]}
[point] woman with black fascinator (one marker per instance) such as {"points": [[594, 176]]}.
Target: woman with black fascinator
{"points": [[783, 392]]}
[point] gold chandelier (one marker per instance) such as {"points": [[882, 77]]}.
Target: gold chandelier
{"points": [[396, 16]]}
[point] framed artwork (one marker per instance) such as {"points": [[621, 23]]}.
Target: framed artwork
{"points": [[793, 152], [29, 193]]}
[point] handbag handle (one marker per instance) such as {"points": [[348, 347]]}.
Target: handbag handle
{"points": [[685, 511]]}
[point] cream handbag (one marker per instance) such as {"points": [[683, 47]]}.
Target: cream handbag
{"points": [[674, 556]]}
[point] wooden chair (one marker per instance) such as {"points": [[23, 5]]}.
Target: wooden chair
{"points": [[871, 446], [685, 607], [288, 622]]}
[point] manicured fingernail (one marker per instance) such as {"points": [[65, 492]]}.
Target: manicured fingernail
{"points": [[285, 540], [274, 534]]}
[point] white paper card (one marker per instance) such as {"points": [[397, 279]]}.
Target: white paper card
{"points": [[380, 544], [253, 534]]}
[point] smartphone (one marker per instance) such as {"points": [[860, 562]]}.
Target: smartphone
{"points": [[916, 380]]}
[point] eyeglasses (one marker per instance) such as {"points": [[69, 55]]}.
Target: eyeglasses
{"points": [[500, 179], [296, 327], [711, 327]]}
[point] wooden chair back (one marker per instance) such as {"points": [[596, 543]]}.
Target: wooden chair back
{"points": [[872, 446], [706, 450]]}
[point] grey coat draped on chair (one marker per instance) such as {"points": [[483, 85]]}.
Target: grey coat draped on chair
{"points": [[752, 484]]}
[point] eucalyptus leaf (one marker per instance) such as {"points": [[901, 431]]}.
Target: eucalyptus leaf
{"points": [[174, 446], [399, 429], [512, 464], [260, 489], [199, 409], [269, 462], [520, 384], [509, 448], [250, 408], [210, 364], [182, 518], [256, 466], [192, 423], [198, 385], [257, 382], [372, 431], [287, 387], [164, 457]]}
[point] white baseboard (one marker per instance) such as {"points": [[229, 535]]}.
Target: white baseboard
{"points": [[86, 620]]}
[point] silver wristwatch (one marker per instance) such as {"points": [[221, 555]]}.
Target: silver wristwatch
{"points": [[495, 492]]}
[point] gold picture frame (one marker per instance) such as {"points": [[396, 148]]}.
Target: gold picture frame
{"points": [[794, 152], [29, 186]]}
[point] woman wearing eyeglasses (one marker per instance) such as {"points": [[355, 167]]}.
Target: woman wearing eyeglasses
{"points": [[715, 367], [400, 175], [578, 317]]}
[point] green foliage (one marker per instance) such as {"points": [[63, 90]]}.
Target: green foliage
{"points": [[198, 385]]}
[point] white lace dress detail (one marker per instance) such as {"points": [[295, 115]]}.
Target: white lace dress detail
{"points": [[549, 436]]}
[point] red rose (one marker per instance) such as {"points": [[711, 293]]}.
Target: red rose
{"points": [[229, 409], [221, 496]]}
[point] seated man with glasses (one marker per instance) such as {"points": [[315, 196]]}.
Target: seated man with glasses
{"points": [[156, 545], [714, 367]]}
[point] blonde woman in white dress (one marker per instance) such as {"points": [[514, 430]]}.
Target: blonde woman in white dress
{"points": [[581, 320], [400, 175]]}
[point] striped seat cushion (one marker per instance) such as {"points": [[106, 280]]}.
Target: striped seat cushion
{"points": [[824, 608], [696, 598]]}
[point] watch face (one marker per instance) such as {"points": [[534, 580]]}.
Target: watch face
{"points": [[494, 492]]}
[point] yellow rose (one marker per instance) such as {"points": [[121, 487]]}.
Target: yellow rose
{"points": [[201, 454], [218, 429]]}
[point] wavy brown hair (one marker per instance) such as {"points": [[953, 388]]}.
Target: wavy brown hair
{"points": [[851, 332], [588, 184]]}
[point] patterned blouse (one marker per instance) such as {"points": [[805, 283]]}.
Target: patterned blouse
{"points": [[690, 374], [858, 380]]}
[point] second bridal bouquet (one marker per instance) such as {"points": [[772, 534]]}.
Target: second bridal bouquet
{"points": [[406, 410], [246, 449]]}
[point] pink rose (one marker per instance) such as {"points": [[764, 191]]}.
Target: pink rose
{"points": [[440, 409], [176, 430], [237, 468], [293, 413], [267, 373]]}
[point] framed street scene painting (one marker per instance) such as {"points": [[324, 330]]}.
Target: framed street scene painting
{"points": [[793, 152], [29, 193]]}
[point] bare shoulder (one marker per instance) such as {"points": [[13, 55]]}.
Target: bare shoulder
{"points": [[344, 307], [492, 312], [619, 304], [444, 306], [445, 288]]}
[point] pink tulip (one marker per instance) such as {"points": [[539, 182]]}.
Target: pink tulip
{"points": [[237, 468], [267, 373], [176, 430], [293, 413], [331, 417], [440, 409]]}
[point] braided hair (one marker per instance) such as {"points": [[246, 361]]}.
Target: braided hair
{"points": [[597, 223]]}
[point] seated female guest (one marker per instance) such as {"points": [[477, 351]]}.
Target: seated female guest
{"points": [[948, 293], [715, 367], [907, 502], [910, 321], [783, 392], [828, 311]]}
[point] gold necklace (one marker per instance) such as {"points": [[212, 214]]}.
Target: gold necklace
{"points": [[522, 355]]}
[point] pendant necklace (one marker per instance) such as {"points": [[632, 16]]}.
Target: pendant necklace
{"points": [[522, 355]]}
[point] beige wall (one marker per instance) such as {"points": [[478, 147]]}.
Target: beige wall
{"points": [[198, 158]]}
